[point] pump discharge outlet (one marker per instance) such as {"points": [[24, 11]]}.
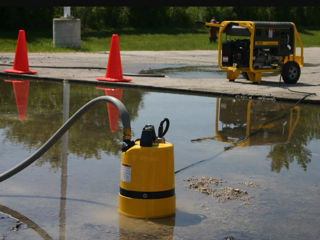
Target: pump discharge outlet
{"points": [[147, 176]]}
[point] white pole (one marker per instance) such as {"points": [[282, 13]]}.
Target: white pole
{"points": [[66, 12]]}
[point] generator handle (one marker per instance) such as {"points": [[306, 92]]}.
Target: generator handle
{"points": [[208, 24]]}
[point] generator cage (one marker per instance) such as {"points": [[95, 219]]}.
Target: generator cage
{"points": [[259, 47]]}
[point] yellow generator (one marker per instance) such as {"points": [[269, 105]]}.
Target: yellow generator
{"points": [[252, 47]]}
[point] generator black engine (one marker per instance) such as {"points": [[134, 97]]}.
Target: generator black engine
{"points": [[236, 52]]}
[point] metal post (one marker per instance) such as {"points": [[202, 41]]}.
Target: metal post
{"points": [[66, 12], [64, 163]]}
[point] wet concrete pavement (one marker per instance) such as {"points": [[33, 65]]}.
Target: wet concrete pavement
{"points": [[86, 67]]}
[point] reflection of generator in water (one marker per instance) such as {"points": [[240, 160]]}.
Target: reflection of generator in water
{"points": [[147, 176], [256, 47], [247, 122]]}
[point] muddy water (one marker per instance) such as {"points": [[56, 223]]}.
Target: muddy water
{"points": [[267, 151]]}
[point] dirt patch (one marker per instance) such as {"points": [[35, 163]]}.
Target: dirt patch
{"points": [[5, 60], [8, 225], [213, 187], [250, 184]]}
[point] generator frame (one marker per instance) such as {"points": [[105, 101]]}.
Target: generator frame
{"points": [[288, 63]]}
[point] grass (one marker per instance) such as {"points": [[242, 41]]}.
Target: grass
{"points": [[132, 39]]}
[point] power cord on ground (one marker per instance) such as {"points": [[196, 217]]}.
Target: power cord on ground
{"points": [[307, 94]]}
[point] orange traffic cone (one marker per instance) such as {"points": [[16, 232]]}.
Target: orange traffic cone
{"points": [[21, 64], [114, 68], [21, 89], [113, 112]]}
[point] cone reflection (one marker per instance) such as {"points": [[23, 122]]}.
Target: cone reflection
{"points": [[21, 90], [113, 112]]}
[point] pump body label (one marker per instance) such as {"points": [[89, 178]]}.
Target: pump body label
{"points": [[125, 173]]}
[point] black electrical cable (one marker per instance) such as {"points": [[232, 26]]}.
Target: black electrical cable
{"points": [[201, 161], [229, 147], [307, 94], [54, 138]]}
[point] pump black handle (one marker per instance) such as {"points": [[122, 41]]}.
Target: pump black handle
{"points": [[161, 133]]}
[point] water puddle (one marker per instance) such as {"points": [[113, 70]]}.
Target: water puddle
{"points": [[188, 71], [253, 165]]}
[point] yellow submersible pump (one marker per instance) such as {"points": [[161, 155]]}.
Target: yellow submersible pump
{"points": [[147, 176], [147, 167]]}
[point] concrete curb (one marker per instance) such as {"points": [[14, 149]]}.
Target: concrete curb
{"points": [[157, 88]]}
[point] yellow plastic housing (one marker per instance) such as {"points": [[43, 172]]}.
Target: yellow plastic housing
{"points": [[147, 171]]}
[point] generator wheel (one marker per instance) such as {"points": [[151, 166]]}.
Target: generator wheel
{"points": [[291, 72]]}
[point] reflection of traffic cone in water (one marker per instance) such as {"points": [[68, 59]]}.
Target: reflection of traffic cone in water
{"points": [[21, 64], [114, 68], [113, 112], [21, 89]]}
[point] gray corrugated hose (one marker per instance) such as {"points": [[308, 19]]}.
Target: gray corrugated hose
{"points": [[124, 115]]}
